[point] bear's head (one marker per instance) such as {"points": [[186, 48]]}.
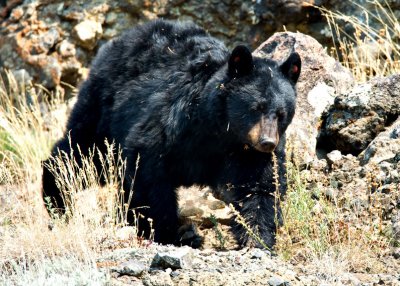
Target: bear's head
{"points": [[260, 97]]}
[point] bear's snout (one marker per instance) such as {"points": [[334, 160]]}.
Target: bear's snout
{"points": [[264, 135], [268, 144]]}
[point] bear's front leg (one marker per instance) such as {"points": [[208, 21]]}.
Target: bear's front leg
{"points": [[155, 206], [257, 219], [250, 187], [162, 209]]}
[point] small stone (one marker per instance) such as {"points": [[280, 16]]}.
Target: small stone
{"points": [[179, 259], [386, 189], [50, 38], [130, 267], [319, 164], [158, 278], [396, 253], [110, 33], [66, 49], [174, 274], [396, 227], [334, 156], [395, 132], [384, 148], [358, 204], [87, 33], [16, 14], [349, 279], [277, 281], [258, 253], [49, 70]]}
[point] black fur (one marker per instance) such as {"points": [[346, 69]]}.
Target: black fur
{"points": [[175, 95]]}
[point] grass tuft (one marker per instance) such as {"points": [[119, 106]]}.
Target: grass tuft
{"points": [[36, 249]]}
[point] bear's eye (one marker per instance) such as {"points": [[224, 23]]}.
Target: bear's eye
{"points": [[262, 106]]}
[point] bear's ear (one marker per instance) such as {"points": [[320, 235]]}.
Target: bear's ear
{"points": [[291, 67], [240, 62]]}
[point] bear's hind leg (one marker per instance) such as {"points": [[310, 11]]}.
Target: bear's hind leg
{"points": [[50, 188]]}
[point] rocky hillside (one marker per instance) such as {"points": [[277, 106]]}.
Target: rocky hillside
{"points": [[344, 146], [53, 42]]}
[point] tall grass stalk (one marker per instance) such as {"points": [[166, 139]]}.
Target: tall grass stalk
{"points": [[28, 127]]}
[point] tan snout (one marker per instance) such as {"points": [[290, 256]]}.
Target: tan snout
{"points": [[264, 135]]}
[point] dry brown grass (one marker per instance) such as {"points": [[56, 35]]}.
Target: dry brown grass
{"points": [[31, 241], [372, 49]]}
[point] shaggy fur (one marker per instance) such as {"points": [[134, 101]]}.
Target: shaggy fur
{"points": [[196, 114]]}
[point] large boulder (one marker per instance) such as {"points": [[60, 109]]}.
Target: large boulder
{"points": [[359, 115]]}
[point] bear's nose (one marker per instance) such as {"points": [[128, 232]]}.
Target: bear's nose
{"points": [[268, 144]]}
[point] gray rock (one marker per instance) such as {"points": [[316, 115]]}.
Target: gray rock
{"points": [[178, 259], [321, 96], [66, 49], [396, 252], [334, 156], [384, 147], [331, 194], [126, 233], [320, 165], [50, 69], [395, 133], [358, 116], [130, 267], [277, 281], [119, 254], [396, 227], [49, 39], [257, 253]]}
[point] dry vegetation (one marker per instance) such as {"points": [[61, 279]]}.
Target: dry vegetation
{"points": [[32, 250], [324, 233], [369, 50], [29, 239]]}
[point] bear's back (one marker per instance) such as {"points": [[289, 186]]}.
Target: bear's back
{"points": [[159, 46], [150, 77]]}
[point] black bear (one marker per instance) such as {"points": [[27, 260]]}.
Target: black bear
{"points": [[196, 114]]}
